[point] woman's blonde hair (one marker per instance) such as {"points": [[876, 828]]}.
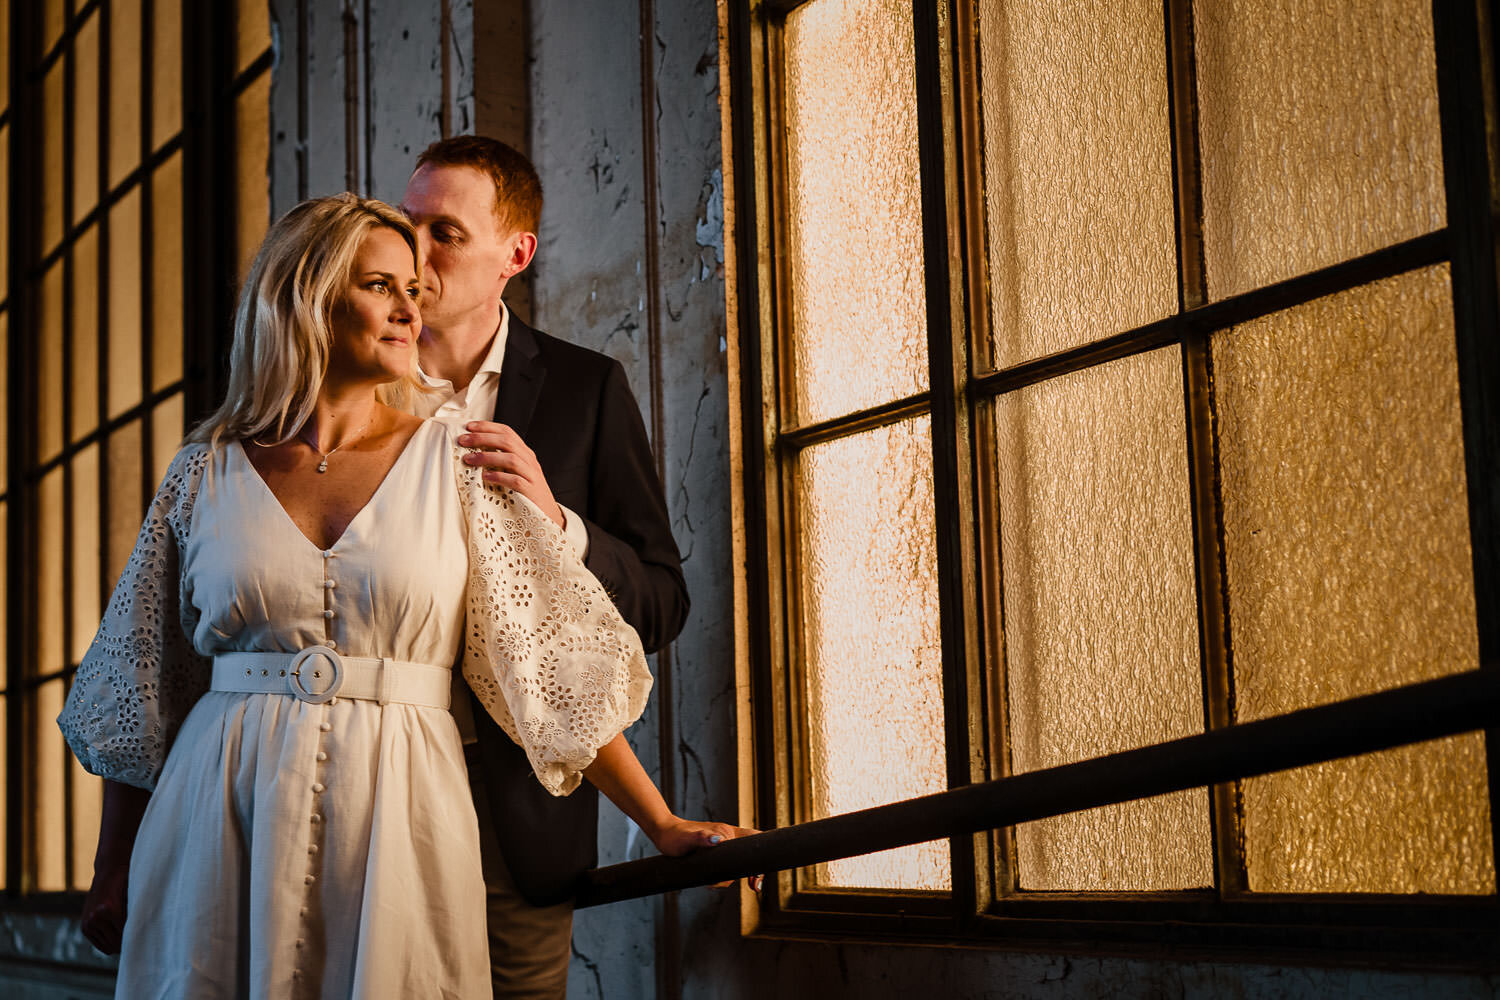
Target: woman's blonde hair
{"points": [[282, 332]]}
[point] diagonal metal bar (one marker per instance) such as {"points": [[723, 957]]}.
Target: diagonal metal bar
{"points": [[1410, 714]]}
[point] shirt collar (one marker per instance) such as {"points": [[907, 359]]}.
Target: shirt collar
{"points": [[492, 358]]}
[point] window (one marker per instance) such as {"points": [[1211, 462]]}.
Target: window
{"points": [[119, 271], [1111, 372]]}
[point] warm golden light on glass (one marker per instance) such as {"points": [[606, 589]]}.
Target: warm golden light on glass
{"points": [[1077, 172], [1101, 626], [127, 504], [49, 350], [123, 341], [86, 118], [84, 598], [124, 88], [83, 347], [167, 430], [166, 273], [53, 125], [871, 650], [51, 757], [253, 122], [166, 71], [858, 324], [88, 802], [1349, 571], [1318, 133], [252, 32]]}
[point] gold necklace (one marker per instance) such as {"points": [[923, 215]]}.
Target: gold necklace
{"points": [[323, 465]]}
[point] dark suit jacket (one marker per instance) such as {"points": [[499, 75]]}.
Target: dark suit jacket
{"points": [[574, 408]]}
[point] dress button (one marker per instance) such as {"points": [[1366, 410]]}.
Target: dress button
{"points": [[328, 613], [327, 584], [310, 879], [322, 755], [332, 702], [303, 911], [297, 974], [327, 553], [317, 817], [325, 726], [317, 786], [312, 848], [332, 644], [300, 943]]}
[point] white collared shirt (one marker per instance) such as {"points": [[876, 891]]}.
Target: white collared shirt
{"points": [[476, 401]]}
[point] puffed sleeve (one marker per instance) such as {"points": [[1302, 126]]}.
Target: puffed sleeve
{"points": [[141, 675], [545, 651]]}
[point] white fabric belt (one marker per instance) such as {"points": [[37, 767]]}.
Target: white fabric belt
{"points": [[318, 674]]}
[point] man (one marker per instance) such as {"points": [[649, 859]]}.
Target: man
{"points": [[559, 425]]}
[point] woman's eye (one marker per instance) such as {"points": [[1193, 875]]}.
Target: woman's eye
{"points": [[377, 286]]}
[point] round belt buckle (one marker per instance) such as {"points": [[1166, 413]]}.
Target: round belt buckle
{"points": [[294, 676]]}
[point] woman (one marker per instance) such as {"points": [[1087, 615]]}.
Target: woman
{"points": [[275, 661]]}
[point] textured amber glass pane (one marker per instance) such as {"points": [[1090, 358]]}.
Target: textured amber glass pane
{"points": [[50, 756], [1101, 628], [126, 501], [49, 348], [88, 799], [123, 338], [166, 273], [54, 19], [83, 348], [51, 648], [124, 88], [86, 118], [166, 71], [53, 125], [253, 119], [1318, 127], [252, 31], [167, 429], [1080, 233], [1349, 570], [871, 648], [859, 321], [86, 586]]}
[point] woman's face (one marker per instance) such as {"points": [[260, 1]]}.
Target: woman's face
{"points": [[375, 321]]}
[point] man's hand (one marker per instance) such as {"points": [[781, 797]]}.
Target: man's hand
{"points": [[507, 461], [103, 918]]}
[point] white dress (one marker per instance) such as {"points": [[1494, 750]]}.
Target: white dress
{"points": [[300, 850]]}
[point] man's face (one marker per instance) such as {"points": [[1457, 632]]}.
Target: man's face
{"points": [[468, 258]]}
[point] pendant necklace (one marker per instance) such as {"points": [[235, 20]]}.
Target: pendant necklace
{"points": [[323, 465]]}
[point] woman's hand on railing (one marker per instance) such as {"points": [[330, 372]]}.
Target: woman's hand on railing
{"points": [[677, 837]]}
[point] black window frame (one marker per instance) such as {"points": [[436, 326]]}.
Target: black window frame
{"points": [[1226, 921], [206, 141]]}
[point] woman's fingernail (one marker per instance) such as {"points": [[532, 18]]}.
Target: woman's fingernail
{"points": [[464, 439], [715, 839]]}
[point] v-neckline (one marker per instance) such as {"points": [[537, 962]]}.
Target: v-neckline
{"points": [[292, 523]]}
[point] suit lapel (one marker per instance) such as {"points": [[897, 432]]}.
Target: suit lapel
{"points": [[522, 373]]}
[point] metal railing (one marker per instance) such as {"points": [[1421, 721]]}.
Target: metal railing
{"points": [[1411, 714]]}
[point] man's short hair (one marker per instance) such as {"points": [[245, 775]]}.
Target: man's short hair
{"points": [[518, 190]]}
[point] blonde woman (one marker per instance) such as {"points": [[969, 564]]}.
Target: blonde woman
{"points": [[275, 662]]}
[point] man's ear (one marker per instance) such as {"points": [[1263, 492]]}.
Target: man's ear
{"points": [[523, 248]]}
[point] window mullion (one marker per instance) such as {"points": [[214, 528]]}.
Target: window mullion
{"points": [[1197, 370], [1466, 101], [947, 357]]}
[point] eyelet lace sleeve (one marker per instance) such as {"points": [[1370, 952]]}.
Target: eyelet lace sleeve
{"points": [[141, 675], [545, 651]]}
